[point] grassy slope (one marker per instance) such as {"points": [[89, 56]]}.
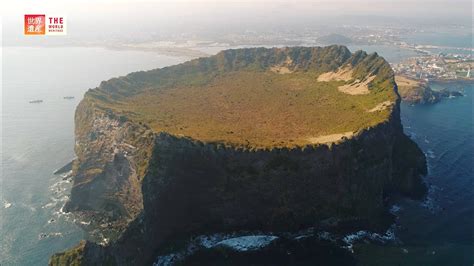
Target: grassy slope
{"points": [[256, 109], [71, 257], [233, 97]]}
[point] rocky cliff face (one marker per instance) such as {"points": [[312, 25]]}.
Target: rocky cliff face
{"points": [[418, 92], [111, 160], [165, 187], [193, 188]]}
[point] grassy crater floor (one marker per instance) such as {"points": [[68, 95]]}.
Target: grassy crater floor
{"points": [[257, 97], [259, 109]]}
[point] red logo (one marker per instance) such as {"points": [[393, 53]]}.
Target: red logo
{"points": [[35, 24]]}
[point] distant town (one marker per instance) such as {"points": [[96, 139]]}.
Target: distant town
{"points": [[437, 67], [425, 61]]}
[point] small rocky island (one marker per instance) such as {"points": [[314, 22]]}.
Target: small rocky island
{"points": [[419, 92], [258, 140]]}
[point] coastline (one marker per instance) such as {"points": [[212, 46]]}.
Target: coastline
{"points": [[451, 81]]}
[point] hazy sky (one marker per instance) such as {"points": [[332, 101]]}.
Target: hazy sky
{"points": [[130, 16], [384, 7]]}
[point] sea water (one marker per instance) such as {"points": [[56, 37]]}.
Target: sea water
{"points": [[39, 138], [440, 229]]}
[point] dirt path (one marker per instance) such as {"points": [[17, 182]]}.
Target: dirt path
{"points": [[342, 74], [330, 138], [345, 74], [357, 87], [381, 106], [283, 68]]}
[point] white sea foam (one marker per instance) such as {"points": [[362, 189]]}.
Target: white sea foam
{"points": [[209, 241], [247, 243], [48, 205], [430, 153], [233, 241], [59, 186], [61, 213], [66, 175], [243, 243], [430, 201], [59, 196], [49, 235], [168, 260], [395, 209], [64, 198], [85, 223], [351, 239], [6, 204], [326, 236], [411, 135], [301, 237], [104, 241]]}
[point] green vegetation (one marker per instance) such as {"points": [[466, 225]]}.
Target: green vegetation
{"points": [[236, 98], [71, 257]]}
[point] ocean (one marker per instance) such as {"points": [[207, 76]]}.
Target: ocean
{"points": [[39, 138], [447, 40], [440, 229]]}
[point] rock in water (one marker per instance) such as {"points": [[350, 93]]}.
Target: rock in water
{"points": [[66, 168], [416, 91]]}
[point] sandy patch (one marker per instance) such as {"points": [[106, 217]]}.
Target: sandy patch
{"points": [[381, 106], [345, 74], [403, 81], [280, 69], [283, 68], [357, 87], [330, 138], [342, 74]]}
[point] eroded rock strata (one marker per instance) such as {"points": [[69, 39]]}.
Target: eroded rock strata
{"points": [[158, 186]]}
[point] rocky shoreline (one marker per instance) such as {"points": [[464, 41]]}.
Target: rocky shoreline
{"points": [[418, 92]]}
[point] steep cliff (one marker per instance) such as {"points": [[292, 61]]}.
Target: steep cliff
{"points": [[112, 155], [160, 183]]}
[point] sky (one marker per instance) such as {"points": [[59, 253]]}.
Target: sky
{"points": [[91, 18], [439, 7]]}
